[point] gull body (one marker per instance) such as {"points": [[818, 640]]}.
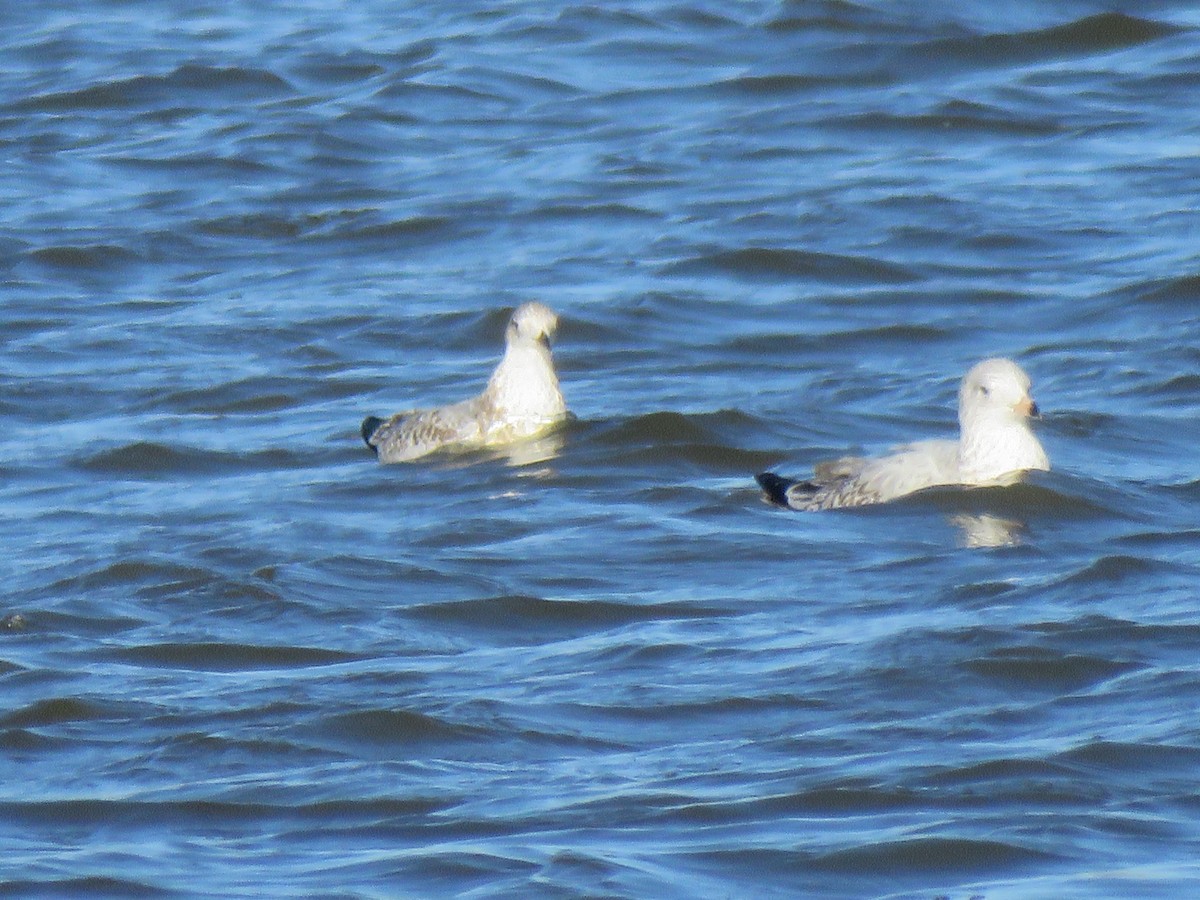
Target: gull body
{"points": [[522, 399], [995, 445]]}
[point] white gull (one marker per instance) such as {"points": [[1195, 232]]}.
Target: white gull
{"points": [[522, 399], [995, 445]]}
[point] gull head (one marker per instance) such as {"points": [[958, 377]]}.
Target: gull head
{"points": [[532, 321], [996, 388]]}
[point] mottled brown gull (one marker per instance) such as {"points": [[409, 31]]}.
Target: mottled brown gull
{"points": [[995, 445], [522, 399]]}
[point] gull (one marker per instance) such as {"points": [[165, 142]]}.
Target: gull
{"points": [[522, 399], [995, 445]]}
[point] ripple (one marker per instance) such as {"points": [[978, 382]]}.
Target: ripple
{"points": [[605, 211], [1111, 569], [784, 85], [94, 886], [960, 119], [55, 711], [1040, 668], [1182, 291], [1053, 496], [86, 812], [247, 396], [535, 620], [1135, 760], [1093, 34], [993, 771], [161, 576], [831, 800], [220, 84], [200, 167], [96, 257], [150, 460], [768, 263], [398, 728], [228, 657], [341, 70], [24, 741], [928, 856], [795, 344], [485, 871], [666, 427]]}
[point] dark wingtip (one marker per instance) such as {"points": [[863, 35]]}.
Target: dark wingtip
{"points": [[774, 486], [369, 426]]}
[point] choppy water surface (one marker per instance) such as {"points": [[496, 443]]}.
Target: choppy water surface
{"points": [[239, 657]]}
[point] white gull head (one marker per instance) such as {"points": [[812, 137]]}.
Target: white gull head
{"points": [[531, 321], [994, 409]]}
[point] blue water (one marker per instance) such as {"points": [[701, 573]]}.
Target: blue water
{"points": [[240, 658]]}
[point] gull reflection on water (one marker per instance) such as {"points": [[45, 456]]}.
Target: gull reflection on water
{"points": [[518, 454], [533, 451], [531, 457], [987, 530]]}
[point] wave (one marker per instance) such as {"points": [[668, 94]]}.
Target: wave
{"points": [[227, 657], [102, 812], [536, 620], [1045, 669], [214, 84], [393, 727], [94, 257], [756, 263], [968, 46], [931, 855], [1129, 757], [54, 711], [83, 886], [1052, 495], [1182, 291], [150, 460], [884, 865], [799, 344], [1092, 34], [956, 117], [714, 442]]}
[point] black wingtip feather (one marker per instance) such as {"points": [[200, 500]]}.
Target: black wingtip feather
{"points": [[774, 486], [369, 426]]}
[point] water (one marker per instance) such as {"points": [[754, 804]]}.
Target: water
{"points": [[240, 658]]}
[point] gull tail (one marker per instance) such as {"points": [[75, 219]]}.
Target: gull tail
{"points": [[775, 487], [369, 426]]}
